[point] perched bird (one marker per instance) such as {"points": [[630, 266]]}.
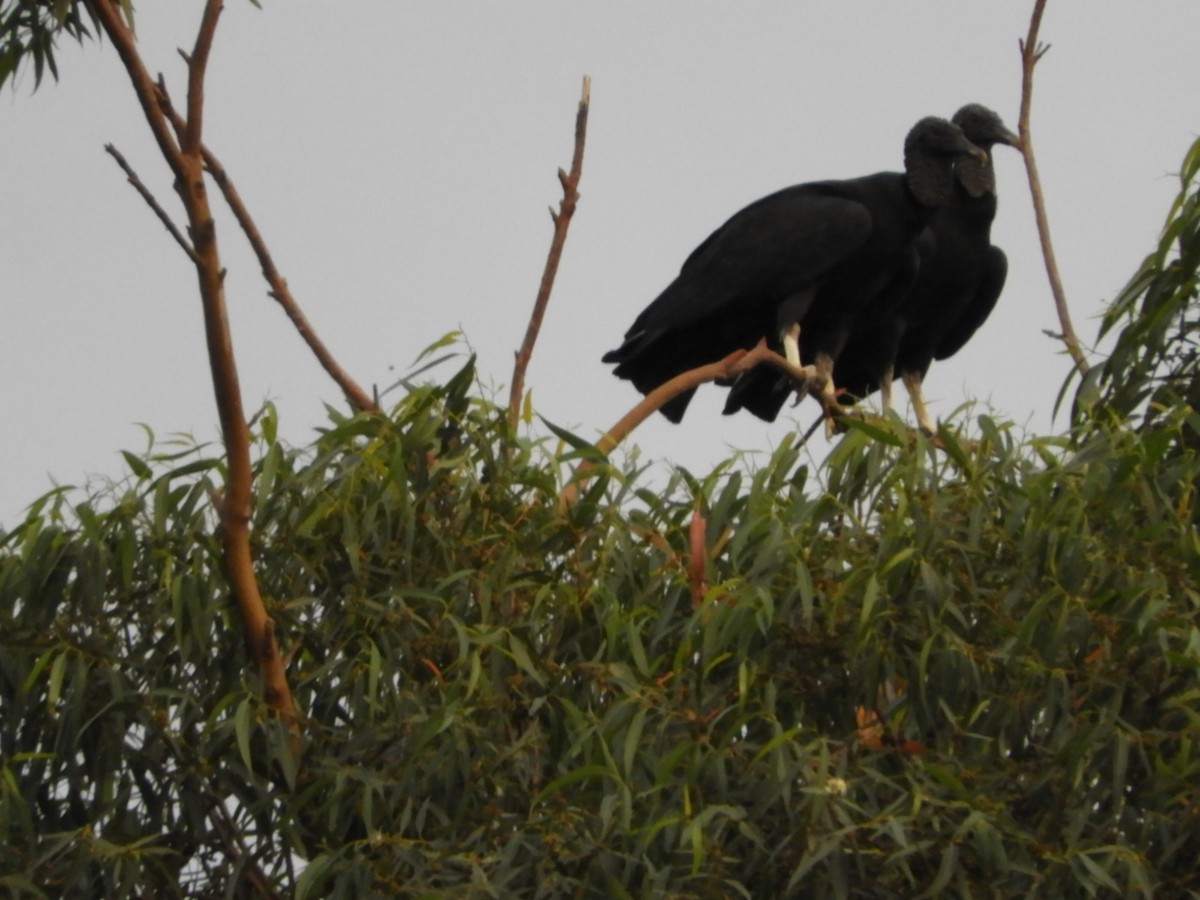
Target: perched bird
{"points": [[809, 258], [961, 277]]}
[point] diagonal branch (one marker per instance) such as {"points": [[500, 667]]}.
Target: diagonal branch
{"points": [[153, 203], [723, 370], [121, 35], [279, 290], [1031, 53], [562, 220]]}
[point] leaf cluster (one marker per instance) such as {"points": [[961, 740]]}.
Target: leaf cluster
{"points": [[29, 30], [1155, 363]]}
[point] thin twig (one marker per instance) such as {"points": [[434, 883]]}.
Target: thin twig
{"points": [[279, 290], [153, 203], [562, 220], [1031, 53]]}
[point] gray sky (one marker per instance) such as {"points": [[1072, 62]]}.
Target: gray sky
{"points": [[400, 157]]}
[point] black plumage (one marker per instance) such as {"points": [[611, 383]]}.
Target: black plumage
{"points": [[960, 279], [808, 258]]}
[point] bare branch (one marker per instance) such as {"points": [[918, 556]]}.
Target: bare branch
{"points": [[164, 100], [732, 365], [1031, 53], [562, 221], [280, 292], [153, 203], [197, 68], [234, 506], [111, 20]]}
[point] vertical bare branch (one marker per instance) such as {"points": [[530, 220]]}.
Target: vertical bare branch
{"points": [[197, 67], [234, 506], [1031, 53], [562, 220]]}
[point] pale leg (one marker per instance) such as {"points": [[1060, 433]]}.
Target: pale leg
{"points": [[912, 381]]}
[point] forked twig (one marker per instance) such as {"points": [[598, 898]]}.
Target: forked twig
{"points": [[1031, 53], [562, 220]]}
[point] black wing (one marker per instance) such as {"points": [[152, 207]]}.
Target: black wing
{"points": [[763, 254], [993, 273]]}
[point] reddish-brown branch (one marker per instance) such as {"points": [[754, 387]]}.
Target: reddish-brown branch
{"points": [[698, 556], [280, 292], [109, 14], [197, 68], [726, 369], [562, 221], [234, 506], [1031, 53]]}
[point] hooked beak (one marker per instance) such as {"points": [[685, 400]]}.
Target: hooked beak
{"points": [[1013, 140]]}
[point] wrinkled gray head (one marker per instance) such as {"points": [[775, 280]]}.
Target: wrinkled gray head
{"points": [[983, 127]]}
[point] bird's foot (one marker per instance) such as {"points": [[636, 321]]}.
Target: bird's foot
{"points": [[835, 415], [801, 385]]}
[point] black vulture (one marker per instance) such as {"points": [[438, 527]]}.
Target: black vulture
{"points": [[960, 279], [808, 256]]}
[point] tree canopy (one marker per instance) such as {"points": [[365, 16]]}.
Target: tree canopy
{"points": [[962, 666], [955, 665]]}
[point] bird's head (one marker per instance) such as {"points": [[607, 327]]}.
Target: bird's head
{"points": [[933, 138], [984, 128], [931, 151]]}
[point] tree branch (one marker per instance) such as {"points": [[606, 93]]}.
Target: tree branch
{"points": [[109, 14], [562, 220], [151, 202], [234, 506], [197, 68], [1031, 53], [280, 292], [726, 369]]}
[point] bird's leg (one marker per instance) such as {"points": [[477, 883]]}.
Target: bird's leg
{"points": [[790, 337], [912, 382], [885, 387], [824, 366], [791, 343]]}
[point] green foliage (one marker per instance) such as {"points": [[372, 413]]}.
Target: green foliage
{"points": [[1156, 361], [29, 29], [969, 672], [930, 668]]}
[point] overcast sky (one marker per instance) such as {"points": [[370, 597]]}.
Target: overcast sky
{"points": [[400, 158]]}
